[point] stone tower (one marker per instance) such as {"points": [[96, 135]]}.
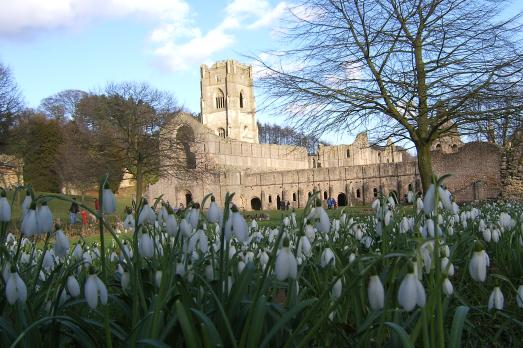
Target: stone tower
{"points": [[227, 100]]}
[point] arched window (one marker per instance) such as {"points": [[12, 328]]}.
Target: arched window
{"points": [[221, 132], [220, 99], [313, 163], [358, 193], [294, 197], [241, 99], [438, 146], [348, 153], [325, 195], [375, 192], [454, 147], [270, 199]]}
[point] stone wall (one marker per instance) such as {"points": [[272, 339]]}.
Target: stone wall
{"points": [[475, 170]]}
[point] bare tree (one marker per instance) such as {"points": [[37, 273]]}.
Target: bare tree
{"points": [[401, 68], [130, 122], [11, 102], [62, 105]]}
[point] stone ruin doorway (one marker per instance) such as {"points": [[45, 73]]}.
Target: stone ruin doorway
{"points": [[256, 203], [278, 202], [342, 200]]}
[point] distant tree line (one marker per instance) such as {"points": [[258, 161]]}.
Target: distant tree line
{"points": [[274, 134]]}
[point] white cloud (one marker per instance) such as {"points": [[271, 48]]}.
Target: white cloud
{"points": [[177, 42], [22, 17]]}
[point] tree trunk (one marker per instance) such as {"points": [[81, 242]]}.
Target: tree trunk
{"points": [[424, 165], [139, 183]]}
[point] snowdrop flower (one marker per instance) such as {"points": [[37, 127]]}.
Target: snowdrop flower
{"points": [[304, 247], [145, 245], [241, 266], [478, 264], [455, 208], [444, 196], [376, 293], [26, 203], [209, 272], [236, 224], [73, 287], [200, 240], [448, 289], [30, 222], [15, 289], [428, 200], [310, 233], [264, 258], [171, 225], [410, 196], [496, 299], [376, 204], [5, 207], [495, 235], [185, 228], [129, 222], [93, 289], [419, 205], [327, 256], [286, 265], [125, 280], [411, 293], [404, 225], [388, 217], [324, 223], [286, 221], [108, 200], [194, 215], [214, 213], [147, 215], [158, 278], [352, 258], [519, 296], [48, 262], [429, 225], [78, 252], [254, 224], [232, 251], [487, 235], [336, 289], [62, 243], [447, 266], [45, 219]]}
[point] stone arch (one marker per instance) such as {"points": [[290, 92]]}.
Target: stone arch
{"points": [[256, 203], [220, 99], [221, 132], [342, 199], [185, 138]]}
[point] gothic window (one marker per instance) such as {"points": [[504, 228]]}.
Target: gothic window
{"points": [[270, 199], [221, 132], [375, 192], [294, 197], [438, 146], [454, 147], [325, 195], [358, 193], [220, 99], [348, 153], [241, 99]]}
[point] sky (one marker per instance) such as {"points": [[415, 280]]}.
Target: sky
{"points": [[54, 45]]}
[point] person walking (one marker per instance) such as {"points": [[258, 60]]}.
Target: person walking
{"points": [[73, 211]]}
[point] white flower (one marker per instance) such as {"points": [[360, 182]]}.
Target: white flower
{"points": [[324, 223], [327, 257], [93, 289], [410, 197], [129, 222], [158, 278], [171, 225], [45, 219], [15, 289], [496, 299], [48, 262], [194, 215], [264, 258], [448, 289], [30, 222], [419, 205], [209, 272], [447, 266], [78, 252], [62, 244], [336, 289], [519, 296], [310, 233], [478, 266], [428, 200], [487, 235], [26, 203], [304, 247], [376, 204], [376, 293], [108, 200], [145, 245], [411, 293], [236, 224], [5, 207], [73, 287], [214, 213], [388, 217], [286, 265], [147, 215], [125, 280], [444, 197], [185, 228]]}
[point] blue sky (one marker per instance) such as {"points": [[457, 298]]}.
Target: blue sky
{"points": [[53, 45]]}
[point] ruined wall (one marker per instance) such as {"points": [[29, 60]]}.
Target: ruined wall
{"points": [[475, 169]]}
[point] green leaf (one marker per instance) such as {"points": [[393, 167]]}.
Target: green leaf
{"points": [[404, 337], [211, 329], [457, 326], [147, 342], [189, 332], [258, 319]]}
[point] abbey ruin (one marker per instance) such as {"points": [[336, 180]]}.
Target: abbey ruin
{"points": [[263, 175]]}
